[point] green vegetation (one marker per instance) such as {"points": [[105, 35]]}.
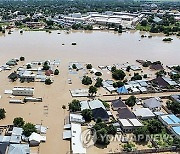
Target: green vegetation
{"points": [[28, 66], [92, 90], [160, 73], [89, 66], [131, 101], [56, 72], [48, 81], [136, 77], [22, 59], [18, 122], [46, 66], [86, 80], [28, 128], [75, 105], [173, 106], [177, 68], [167, 39], [117, 74], [128, 68], [74, 66], [87, 115], [175, 77], [98, 74], [98, 82], [102, 131], [128, 147], [107, 106], [118, 84], [79, 26], [2, 113]]}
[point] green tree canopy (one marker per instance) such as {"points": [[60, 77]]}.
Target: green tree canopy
{"points": [[131, 101], [18, 122], [75, 105], [29, 128], [87, 115]]}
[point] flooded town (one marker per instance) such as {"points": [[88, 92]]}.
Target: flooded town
{"points": [[100, 81]]}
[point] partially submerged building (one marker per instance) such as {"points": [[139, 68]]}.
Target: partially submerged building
{"points": [[153, 104], [23, 91]]}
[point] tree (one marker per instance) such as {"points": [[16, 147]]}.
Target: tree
{"points": [[87, 115], [113, 69], [48, 81], [112, 130], [2, 113], [92, 90], [128, 147], [144, 23], [56, 72], [86, 80], [63, 107], [173, 106], [18, 122], [28, 66], [175, 77], [75, 105], [74, 66], [160, 73], [29, 128], [107, 106], [141, 131], [98, 82], [118, 84], [154, 126], [176, 142], [131, 101], [118, 74], [89, 66], [136, 77], [1, 29], [98, 73], [128, 68], [22, 58], [46, 66]]}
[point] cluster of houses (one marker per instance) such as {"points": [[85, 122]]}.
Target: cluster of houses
{"points": [[9, 64], [35, 72], [12, 140], [126, 119], [26, 92]]}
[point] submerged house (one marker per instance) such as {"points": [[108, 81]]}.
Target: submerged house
{"points": [[116, 104], [23, 91], [164, 82], [19, 149]]}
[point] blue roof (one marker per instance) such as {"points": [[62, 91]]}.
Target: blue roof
{"points": [[176, 129], [171, 119], [122, 90]]}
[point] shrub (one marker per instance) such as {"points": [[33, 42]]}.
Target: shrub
{"points": [[22, 58], [98, 73], [89, 66]]}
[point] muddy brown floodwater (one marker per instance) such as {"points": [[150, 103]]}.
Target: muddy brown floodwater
{"points": [[97, 47]]}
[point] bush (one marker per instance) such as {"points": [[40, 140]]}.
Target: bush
{"points": [[2, 113], [98, 73], [167, 39], [74, 66], [48, 81], [118, 84], [22, 59], [87, 115], [89, 66], [136, 77], [75, 105], [18, 122], [29, 66], [56, 72], [118, 74], [29, 128], [173, 106], [98, 82], [131, 101], [145, 76], [92, 90], [86, 80]]}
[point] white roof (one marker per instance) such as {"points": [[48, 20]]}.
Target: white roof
{"points": [[41, 129], [96, 104], [144, 112], [84, 105], [125, 122], [143, 89], [135, 122], [76, 118], [110, 88], [8, 91], [76, 142], [79, 92], [19, 149], [67, 134], [23, 88], [36, 137], [17, 131]]}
